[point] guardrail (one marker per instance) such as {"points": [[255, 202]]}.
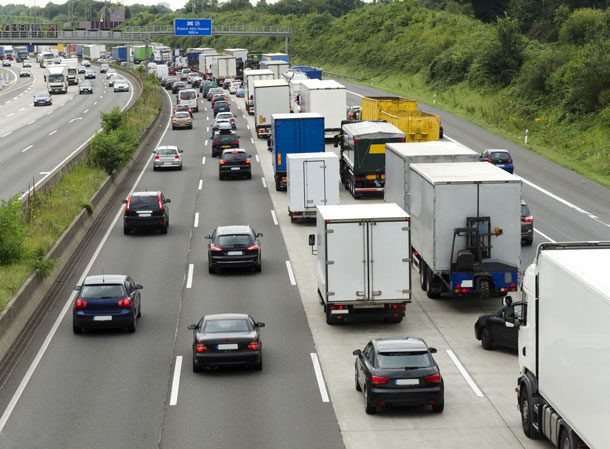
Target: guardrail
{"points": [[339, 75]]}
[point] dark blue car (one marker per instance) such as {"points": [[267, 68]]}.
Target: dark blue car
{"points": [[107, 301], [43, 99], [500, 158]]}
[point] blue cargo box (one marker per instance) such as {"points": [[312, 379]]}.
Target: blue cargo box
{"points": [[119, 53], [312, 73]]}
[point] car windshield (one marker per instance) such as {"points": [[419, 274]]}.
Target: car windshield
{"points": [[499, 156], [225, 138], [234, 239], [218, 326], [144, 202], [404, 360], [102, 291], [42, 94], [166, 151], [221, 104], [235, 156]]}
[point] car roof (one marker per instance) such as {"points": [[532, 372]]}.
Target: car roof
{"points": [[404, 344], [236, 229], [105, 279], [181, 114], [497, 150], [225, 125], [233, 150], [226, 316], [224, 114], [221, 135], [151, 193], [167, 147]]}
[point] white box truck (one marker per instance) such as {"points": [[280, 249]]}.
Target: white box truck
{"points": [[326, 97], [57, 79], [564, 345], [270, 97], [294, 89], [249, 77], [363, 264], [224, 67], [206, 61], [400, 156], [72, 64], [237, 53], [466, 228], [162, 70], [313, 180], [277, 67]]}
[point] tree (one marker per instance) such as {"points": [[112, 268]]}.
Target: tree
{"points": [[489, 10]]}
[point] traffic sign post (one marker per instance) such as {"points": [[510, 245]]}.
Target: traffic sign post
{"points": [[192, 27]]}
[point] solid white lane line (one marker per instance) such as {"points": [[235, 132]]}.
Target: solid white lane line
{"points": [[49, 113], [264, 182], [7, 134], [85, 111], [189, 277], [257, 159], [319, 377], [203, 160], [274, 217], [544, 236], [200, 184], [52, 132], [465, 374], [12, 113], [290, 273], [196, 222], [354, 93], [25, 149], [173, 400]]}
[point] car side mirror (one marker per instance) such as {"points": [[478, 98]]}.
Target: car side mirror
{"points": [[260, 234], [124, 201], [357, 352], [432, 350], [507, 301], [260, 324], [192, 327], [139, 286], [77, 288], [312, 239], [167, 200], [207, 236]]}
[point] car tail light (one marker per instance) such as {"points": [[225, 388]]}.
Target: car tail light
{"points": [[527, 219], [235, 142], [247, 161], [128, 203], [223, 162], [377, 380], [80, 303], [215, 248], [200, 347], [188, 118], [160, 203], [157, 157], [253, 345], [510, 160], [124, 302], [174, 119], [252, 247], [214, 144], [488, 160], [177, 156], [434, 379]]}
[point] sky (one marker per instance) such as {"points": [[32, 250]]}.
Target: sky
{"points": [[175, 4]]}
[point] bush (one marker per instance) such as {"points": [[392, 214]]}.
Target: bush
{"points": [[112, 120], [108, 152], [12, 231], [582, 26]]}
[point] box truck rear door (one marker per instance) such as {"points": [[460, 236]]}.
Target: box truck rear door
{"points": [[314, 175], [389, 251], [346, 262]]}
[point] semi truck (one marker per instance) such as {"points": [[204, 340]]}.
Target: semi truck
{"points": [[140, 54], [291, 134], [224, 67], [466, 229], [57, 78], [237, 53], [564, 345], [362, 156], [91, 51], [46, 58], [363, 263], [119, 53], [313, 180], [205, 63], [270, 97], [72, 65], [249, 77], [326, 97], [277, 67], [22, 52]]}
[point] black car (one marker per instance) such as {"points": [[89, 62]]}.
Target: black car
{"points": [[494, 330], [398, 372], [146, 210], [219, 97], [227, 339], [169, 83], [222, 141], [234, 246], [108, 300], [213, 91], [527, 225], [221, 106], [89, 75], [178, 85], [234, 163], [182, 108]]}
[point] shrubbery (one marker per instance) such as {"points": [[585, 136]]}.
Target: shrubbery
{"points": [[12, 231]]}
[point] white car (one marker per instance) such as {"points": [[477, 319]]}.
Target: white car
{"points": [[27, 63], [234, 86], [6, 63], [86, 63], [104, 68], [121, 85], [110, 73]]}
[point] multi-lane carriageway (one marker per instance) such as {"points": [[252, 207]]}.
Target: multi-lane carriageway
{"points": [[112, 389]]}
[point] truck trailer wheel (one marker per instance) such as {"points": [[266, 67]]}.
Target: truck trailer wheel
{"points": [[423, 276], [278, 186], [484, 289], [434, 287], [525, 407]]}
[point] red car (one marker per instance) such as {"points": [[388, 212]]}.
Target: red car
{"points": [[171, 71]]}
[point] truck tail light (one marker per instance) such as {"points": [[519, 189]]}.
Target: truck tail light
{"points": [[378, 380]]}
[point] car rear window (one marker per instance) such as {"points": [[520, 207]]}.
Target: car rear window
{"points": [[218, 326], [142, 202], [182, 114], [166, 152], [102, 291], [188, 95], [225, 137], [237, 156], [234, 239], [525, 211], [499, 157], [221, 104], [404, 360]]}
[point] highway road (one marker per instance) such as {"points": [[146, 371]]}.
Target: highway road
{"points": [[36, 140], [113, 389]]}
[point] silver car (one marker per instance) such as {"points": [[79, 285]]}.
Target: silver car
{"points": [[110, 73], [121, 85], [112, 79], [167, 157]]}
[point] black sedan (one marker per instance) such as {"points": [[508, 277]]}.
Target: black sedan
{"points": [[108, 300], [227, 339], [222, 141], [527, 225], [234, 163], [43, 99], [234, 246], [499, 329], [398, 372], [178, 85]]}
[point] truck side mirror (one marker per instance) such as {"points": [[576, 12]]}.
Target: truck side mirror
{"points": [[507, 301]]}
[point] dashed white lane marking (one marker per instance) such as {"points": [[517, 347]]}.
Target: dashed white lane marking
{"points": [[45, 172], [203, 160], [207, 130], [26, 148], [544, 235], [477, 391], [248, 126], [12, 113], [290, 273], [22, 109], [189, 277], [205, 143], [52, 132], [200, 184], [319, 377], [173, 400], [85, 111], [196, 221], [252, 139], [101, 96], [274, 217], [94, 103], [49, 113], [264, 182], [75, 118], [30, 122], [257, 159]]}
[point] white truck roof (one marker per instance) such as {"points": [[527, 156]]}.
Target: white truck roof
{"points": [[437, 148], [350, 212], [248, 72], [322, 84], [328, 155], [296, 116], [590, 266], [372, 130], [270, 83], [463, 173]]}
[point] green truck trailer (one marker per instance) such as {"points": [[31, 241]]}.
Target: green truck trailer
{"points": [[140, 54]]}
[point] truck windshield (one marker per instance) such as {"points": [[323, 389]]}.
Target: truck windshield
{"points": [[55, 78], [48, 56], [72, 71]]}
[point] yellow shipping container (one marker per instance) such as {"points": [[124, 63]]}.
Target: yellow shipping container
{"points": [[418, 126], [372, 107], [58, 47]]}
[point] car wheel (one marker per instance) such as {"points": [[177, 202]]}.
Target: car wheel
{"points": [[140, 310], [258, 268], [211, 269], [369, 408], [164, 229], [132, 326], [76, 329], [438, 408], [126, 230], [249, 176], [486, 340], [357, 384], [155, 168], [180, 168], [196, 368]]}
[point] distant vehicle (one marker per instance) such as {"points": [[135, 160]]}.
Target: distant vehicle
{"points": [[104, 68], [182, 120], [6, 63], [234, 163], [89, 74], [206, 86], [226, 115], [189, 97], [221, 106], [182, 108], [527, 225], [353, 113], [240, 92], [121, 85], [219, 97], [222, 141], [227, 339], [227, 82], [27, 63], [82, 69], [85, 88], [43, 99], [110, 73], [398, 372], [184, 73], [499, 158], [169, 84], [86, 63], [109, 300], [163, 80], [492, 331], [168, 156], [112, 78], [213, 91], [178, 85], [24, 72], [146, 210], [196, 81], [234, 246], [233, 87]]}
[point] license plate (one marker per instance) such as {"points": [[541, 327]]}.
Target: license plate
{"points": [[406, 381], [500, 165], [167, 163], [234, 168], [227, 346], [339, 312], [226, 146], [102, 318], [234, 253], [144, 215]]}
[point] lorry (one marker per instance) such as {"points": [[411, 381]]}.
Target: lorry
{"points": [[294, 88], [249, 77], [400, 156], [79, 51], [205, 63], [162, 70], [312, 73], [277, 67], [46, 59], [363, 264], [119, 53], [564, 345], [313, 180], [224, 67], [362, 155], [72, 65], [91, 51], [466, 229], [327, 97], [237, 53], [57, 78], [275, 57], [140, 53], [22, 52], [270, 97], [291, 134]]}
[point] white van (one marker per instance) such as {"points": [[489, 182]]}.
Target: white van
{"points": [[189, 97]]}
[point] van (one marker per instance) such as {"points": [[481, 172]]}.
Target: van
{"points": [[189, 97]]}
